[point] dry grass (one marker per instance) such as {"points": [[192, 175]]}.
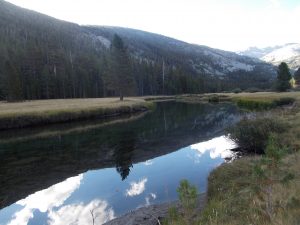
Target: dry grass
{"points": [[28, 113], [264, 95], [48, 106], [267, 97], [233, 199]]}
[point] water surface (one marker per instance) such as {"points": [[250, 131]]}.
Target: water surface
{"points": [[62, 177]]}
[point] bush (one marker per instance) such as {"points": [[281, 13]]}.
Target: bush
{"points": [[284, 101], [214, 98], [237, 90], [252, 135], [253, 90]]}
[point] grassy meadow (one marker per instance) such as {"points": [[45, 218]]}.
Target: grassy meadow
{"points": [[40, 112]]}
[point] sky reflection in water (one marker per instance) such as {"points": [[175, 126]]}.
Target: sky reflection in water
{"points": [[107, 196]]}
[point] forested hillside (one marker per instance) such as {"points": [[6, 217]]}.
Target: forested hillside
{"points": [[42, 57]]}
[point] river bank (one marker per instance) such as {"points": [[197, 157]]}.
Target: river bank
{"points": [[154, 214], [259, 189], [43, 112]]}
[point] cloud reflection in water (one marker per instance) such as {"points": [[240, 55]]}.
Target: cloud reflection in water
{"points": [[217, 147], [45, 200], [148, 163], [136, 188], [80, 214]]}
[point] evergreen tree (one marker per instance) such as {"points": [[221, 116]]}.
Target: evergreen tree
{"points": [[283, 77], [297, 76], [13, 83], [121, 74]]}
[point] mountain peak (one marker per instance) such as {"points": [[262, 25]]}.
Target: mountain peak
{"points": [[289, 53]]}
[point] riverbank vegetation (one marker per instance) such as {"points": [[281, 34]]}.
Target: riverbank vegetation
{"points": [[30, 113], [41, 112], [259, 189]]}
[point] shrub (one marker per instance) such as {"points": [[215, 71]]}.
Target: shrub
{"points": [[284, 101], [214, 98], [252, 135], [253, 90], [237, 90]]}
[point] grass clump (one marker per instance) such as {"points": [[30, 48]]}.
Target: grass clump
{"points": [[251, 135], [263, 103], [255, 104]]}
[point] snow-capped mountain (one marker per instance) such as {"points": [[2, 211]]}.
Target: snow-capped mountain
{"points": [[289, 53]]}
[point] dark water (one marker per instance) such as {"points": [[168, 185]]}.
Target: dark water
{"points": [[57, 175]]}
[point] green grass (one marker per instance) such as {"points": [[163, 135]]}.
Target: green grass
{"points": [[232, 193], [256, 101], [29, 113], [263, 100]]}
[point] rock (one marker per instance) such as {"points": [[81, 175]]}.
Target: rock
{"points": [[152, 215]]}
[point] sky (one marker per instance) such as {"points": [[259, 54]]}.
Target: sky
{"points": [[232, 25]]}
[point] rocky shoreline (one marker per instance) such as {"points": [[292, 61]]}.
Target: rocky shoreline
{"points": [[154, 214]]}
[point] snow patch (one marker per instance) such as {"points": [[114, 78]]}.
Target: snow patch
{"points": [[104, 41]]}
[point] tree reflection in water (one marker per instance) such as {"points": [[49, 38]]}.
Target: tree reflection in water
{"points": [[124, 152]]}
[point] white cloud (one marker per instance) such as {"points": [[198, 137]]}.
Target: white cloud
{"points": [[136, 188], [80, 214], [45, 200], [217, 147]]}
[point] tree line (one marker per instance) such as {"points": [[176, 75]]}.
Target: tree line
{"points": [[39, 71], [44, 58]]}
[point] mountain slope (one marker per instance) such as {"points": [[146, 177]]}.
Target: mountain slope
{"points": [[42, 57], [201, 59], [289, 53]]}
